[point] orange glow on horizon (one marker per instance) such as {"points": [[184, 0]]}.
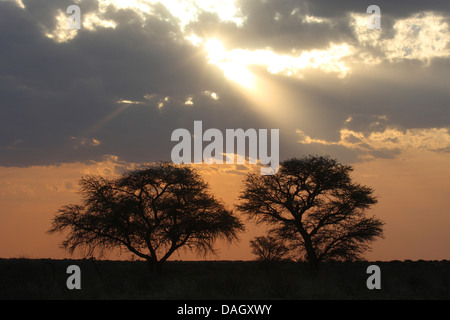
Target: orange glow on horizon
{"points": [[29, 197]]}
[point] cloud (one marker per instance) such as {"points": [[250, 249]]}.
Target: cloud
{"points": [[138, 70], [19, 3], [36, 181], [53, 91], [84, 142], [235, 63], [399, 9], [387, 143], [422, 36]]}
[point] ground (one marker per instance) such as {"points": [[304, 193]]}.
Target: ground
{"points": [[222, 280]]}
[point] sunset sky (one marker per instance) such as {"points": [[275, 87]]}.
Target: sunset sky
{"points": [[106, 98]]}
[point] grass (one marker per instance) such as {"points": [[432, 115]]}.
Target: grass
{"points": [[222, 280]]}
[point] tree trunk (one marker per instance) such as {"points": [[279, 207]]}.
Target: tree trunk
{"points": [[314, 263], [311, 255], [155, 267]]}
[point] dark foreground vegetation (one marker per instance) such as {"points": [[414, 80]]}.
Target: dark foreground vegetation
{"points": [[46, 279]]}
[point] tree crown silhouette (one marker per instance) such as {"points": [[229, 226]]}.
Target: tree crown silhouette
{"points": [[151, 212], [313, 204]]}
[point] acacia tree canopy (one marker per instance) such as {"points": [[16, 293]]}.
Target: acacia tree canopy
{"points": [[313, 204], [151, 212]]}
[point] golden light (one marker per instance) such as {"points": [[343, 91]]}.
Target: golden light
{"points": [[422, 36], [235, 63], [61, 33], [92, 22], [233, 67], [186, 11]]}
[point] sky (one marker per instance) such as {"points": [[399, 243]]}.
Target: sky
{"points": [[107, 97]]}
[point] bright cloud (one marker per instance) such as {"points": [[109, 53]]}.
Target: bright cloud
{"points": [[434, 139], [62, 33], [422, 36], [235, 63], [19, 3], [186, 11], [92, 22]]}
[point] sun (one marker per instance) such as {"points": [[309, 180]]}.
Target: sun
{"points": [[233, 66]]}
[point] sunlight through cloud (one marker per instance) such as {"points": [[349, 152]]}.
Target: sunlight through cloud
{"points": [[19, 3], [92, 22], [186, 11], [235, 63], [422, 36], [62, 33]]}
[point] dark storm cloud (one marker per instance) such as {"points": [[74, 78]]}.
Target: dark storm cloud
{"points": [[51, 91], [56, 98]]}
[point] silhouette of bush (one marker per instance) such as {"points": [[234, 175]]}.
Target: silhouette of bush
{"points": [[269, 249]]}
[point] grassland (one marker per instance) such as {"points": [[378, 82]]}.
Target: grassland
{"points": [[222, 280]]}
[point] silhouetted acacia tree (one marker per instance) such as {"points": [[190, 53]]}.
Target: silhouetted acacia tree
{"points": [[313, 204], [269, 249], [152, 212]]}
